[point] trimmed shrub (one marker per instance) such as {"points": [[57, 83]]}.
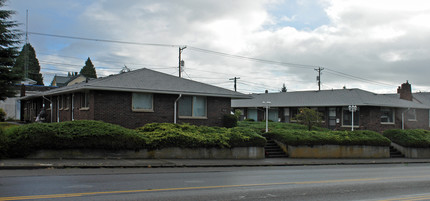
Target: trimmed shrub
{"points": [[309, 138], [161, 135], [82, 134], [229, 121], [260, 127], [417, 138], [3, 144], [2, 115]]}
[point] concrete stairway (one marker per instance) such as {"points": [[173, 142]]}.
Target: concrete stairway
{"points": [[272, 150], [394, 153]]}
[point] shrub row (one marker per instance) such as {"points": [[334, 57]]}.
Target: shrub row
{"points": [[23, 140], [260, 127], [417, 138], [310, 138]]}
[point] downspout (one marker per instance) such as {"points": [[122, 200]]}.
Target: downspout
{"points": [[58, 108], [50, 103], [174, 112], [403, 118], [73, 106]]}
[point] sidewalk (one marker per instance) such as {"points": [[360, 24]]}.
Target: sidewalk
{"points": [[162, 163]]}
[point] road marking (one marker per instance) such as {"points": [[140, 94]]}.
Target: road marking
{"points": [[68, 195], [424, 197]]}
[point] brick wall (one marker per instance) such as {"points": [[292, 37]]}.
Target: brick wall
{"points": [[116, 107]]}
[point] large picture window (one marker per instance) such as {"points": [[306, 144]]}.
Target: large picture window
{"points": [[252, 114], [347, 117], [142, 102], [387, 115], [192, 106]]}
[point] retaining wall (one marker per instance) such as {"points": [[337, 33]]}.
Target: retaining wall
{"points": [[335, 151], [166, 153], [411, 152]]}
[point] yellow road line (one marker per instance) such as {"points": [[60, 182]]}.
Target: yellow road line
{"points": [[67, 195], [424, 197]]}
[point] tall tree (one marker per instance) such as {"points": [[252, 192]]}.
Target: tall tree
{"points": [[88, 70], [9, 38], [27, 57]]}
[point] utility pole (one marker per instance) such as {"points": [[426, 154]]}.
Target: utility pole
{"points": [[319, 77], [181, 63], [235, 78]]}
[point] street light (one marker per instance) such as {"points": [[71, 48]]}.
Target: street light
{"points": [[352, 109], [267, 114]]}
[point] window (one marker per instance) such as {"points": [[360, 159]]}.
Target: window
{"points": [[387, 115], [61, 102], [287, 114], [294, 112], [252, 114], [273, 115], [192, 106], [142, 102], [66, 99], [347, 117], [84, 100], [411, 115]]}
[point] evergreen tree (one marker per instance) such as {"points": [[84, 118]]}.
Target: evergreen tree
{"points": [[284, 88], [9, 37], [88, 70], [27, 56]]}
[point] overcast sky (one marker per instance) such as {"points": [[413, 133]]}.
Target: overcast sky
{"points": [[374, 45]]}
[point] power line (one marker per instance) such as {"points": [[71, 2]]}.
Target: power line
{"points": [[304, 66], [103, 40]]}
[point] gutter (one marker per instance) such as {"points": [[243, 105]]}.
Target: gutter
{"points": [[174, 112]]}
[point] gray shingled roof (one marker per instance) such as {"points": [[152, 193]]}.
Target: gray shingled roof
{"points": [[146, 80], [327, 98]]}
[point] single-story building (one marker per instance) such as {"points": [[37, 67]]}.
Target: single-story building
{"points": [[134, 98], [376, 112]]}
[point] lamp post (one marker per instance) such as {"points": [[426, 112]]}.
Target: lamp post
{"points": [[352, 109], [267, 114]]}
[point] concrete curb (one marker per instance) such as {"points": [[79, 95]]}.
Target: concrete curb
{"points": [[15, 164]]}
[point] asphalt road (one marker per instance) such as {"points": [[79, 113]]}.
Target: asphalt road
{"points": [[360, 182]]}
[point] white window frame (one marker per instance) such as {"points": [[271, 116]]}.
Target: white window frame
{"points": [[393, 117], [142, 109], [84, 101], [193, 98]]}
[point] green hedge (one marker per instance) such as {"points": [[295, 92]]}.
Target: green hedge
{"points": [[260, 127], [309, 138], [160, 135], [22, 140], [3, 144], [71, 135], [417, 138]]}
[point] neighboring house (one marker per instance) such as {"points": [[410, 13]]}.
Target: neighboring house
{"points": [[12, 105], [376, 112], [61, 81], [133, 99]]}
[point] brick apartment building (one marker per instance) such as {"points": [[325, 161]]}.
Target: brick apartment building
{"points": [[133, 99], [376, 112]]}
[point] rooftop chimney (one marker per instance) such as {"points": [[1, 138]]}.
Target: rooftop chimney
{"points": [[267, 91], [405, 91]]}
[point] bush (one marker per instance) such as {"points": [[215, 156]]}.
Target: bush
{"points": [[229, 121], [310, 138], [249, 119], [260, 127], [3, 144], [417, 138], [82, 134], [161, 135], [2, 114]]}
